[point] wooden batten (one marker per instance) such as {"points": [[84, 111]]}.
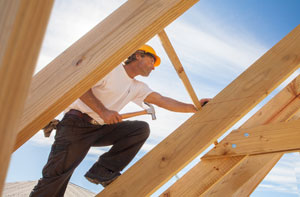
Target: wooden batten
{"points": [[22, 28], [203, 128]]}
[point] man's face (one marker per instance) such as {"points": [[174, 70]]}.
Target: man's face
{"points": [[145, 64]]}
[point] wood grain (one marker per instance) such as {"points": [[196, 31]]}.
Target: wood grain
{"points": [[22, 28]]}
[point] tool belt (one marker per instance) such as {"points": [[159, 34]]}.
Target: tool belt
{"points": [[53, 123]]}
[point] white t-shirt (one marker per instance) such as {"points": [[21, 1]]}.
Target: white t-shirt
{"points": [[115, 91]]}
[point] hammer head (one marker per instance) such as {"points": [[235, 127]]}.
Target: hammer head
{"points": [[151, 110]]}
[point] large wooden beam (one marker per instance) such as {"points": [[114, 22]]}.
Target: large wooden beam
{"points": [[22, 28], [92, 57], [178, 67], [203, 128], [270, 138], [278, 109]]}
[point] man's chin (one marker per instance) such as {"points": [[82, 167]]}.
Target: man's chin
{"points": [[145, 74]]}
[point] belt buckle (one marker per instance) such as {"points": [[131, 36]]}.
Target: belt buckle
{"points": [[94, 122]]}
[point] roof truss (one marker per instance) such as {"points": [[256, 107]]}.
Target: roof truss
{"points": [[114, 39]]}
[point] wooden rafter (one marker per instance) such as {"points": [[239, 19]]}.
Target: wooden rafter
{"points": [[203, 128], [22, 28], [92, 57], [276, 110]]}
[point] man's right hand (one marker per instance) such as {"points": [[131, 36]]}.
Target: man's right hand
{"points": [[110, 116]]}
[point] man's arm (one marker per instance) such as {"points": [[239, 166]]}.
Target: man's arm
{"points": [[171, 104], [108, 116]]}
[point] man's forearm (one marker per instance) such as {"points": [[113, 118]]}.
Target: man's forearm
{"points": [[169, 103], [90, 100], [177, 106]]}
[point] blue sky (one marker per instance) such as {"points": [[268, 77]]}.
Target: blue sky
{"points": [[216, 40]]}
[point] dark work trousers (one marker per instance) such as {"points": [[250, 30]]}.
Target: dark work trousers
{"points": [[73, 139]]}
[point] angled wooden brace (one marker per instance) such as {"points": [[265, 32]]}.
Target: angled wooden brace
{"points": [[207, 172], [93, 56], [203, 128], [22, 28], [271, 138], [178, 67]]}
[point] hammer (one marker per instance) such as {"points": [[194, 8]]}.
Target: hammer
{"points": [[150, 111]]}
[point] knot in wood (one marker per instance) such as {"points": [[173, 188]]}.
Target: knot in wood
{"points": [[79, 62]]}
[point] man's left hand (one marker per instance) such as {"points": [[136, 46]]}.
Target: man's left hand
{"points": [[204, 101]]}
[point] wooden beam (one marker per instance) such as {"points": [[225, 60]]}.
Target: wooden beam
{"points": [[22, 28], [92, 57], [178, 67], [203, 128], [226, 186], [276, 110], [270, 138]]}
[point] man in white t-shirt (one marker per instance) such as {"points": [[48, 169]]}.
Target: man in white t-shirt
{"points": [[94, 120]]}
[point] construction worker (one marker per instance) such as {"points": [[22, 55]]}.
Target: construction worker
{"points": [[94, 120]]}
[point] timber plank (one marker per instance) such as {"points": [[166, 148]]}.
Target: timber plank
{"points": [[93, 56], [22, 28], [197, 133]]}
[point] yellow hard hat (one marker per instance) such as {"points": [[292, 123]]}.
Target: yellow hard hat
{"points": [[149, 49]]}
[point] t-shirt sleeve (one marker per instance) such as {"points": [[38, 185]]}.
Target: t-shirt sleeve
{"points": [[142, 91], [100, 83]]}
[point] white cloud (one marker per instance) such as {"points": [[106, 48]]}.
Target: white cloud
{"points": [[98, 151], [40, 140], [69, 21]]}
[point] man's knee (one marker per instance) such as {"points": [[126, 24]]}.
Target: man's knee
{"points": [[143, 128]]}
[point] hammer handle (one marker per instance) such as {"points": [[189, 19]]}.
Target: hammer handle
{"points": [[133, 114]]}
